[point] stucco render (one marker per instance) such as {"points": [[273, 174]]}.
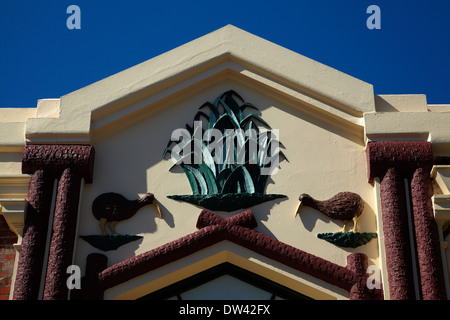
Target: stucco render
{"points": [[326, 121]]}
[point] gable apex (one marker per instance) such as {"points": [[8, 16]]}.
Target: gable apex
{"points": [[108, 100]]}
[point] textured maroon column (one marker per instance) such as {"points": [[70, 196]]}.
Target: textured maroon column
{"points": [[71, 162], [63, 238], [31, 257], [396, 236], [48, 162], [427, 238], [393, 161], [357, 262]]}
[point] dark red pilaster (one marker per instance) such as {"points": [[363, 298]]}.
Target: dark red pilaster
{"points": [[68, 163], [357, 262], [427, 238], [396, 236], [393, 162], [63, 238], [31, 257]]}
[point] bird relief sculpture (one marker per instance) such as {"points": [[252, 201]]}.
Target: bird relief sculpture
{"points": [[111, 208], [344, 206]]}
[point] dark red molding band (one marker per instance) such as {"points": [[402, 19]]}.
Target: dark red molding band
{"points": [[392, 162], [69, 164], [237, 229], [405, 156], [57, 158]]}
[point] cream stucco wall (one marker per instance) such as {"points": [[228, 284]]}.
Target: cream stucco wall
{"points": [[323, 161]]}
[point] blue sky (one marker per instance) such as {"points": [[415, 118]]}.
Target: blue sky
{"points": [[41, 58]]}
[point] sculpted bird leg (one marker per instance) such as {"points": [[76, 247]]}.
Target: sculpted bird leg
{"points": [[355, 224], [344, 228], [112, 226], [102, 224]]}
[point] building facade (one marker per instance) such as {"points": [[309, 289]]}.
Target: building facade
{"points": [[227, 168]]}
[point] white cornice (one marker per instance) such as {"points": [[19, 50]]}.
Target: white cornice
{"points": [[13, 192]]}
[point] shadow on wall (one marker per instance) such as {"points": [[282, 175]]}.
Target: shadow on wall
{"points": [[309, 218]]}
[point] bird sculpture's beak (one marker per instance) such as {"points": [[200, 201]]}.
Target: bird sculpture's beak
{"points": [[298, 209], [157, 208]]}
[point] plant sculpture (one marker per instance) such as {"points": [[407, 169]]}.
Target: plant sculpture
{"points": [[228, 163]]}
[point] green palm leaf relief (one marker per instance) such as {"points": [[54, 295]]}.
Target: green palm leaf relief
{"points": [[227, 155]]}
